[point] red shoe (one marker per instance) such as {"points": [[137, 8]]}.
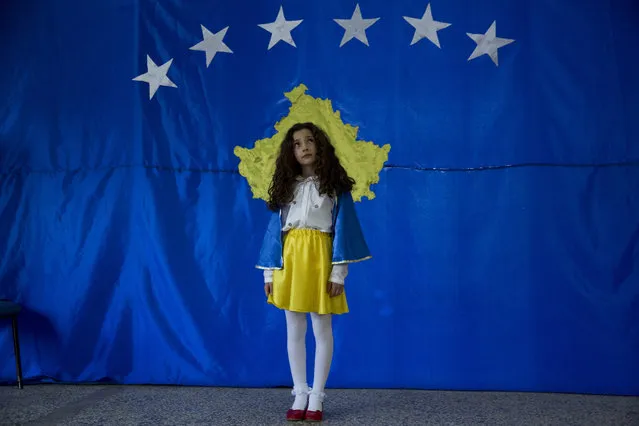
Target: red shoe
{"points": [[314, 416], [298, 415], [295, 415]]}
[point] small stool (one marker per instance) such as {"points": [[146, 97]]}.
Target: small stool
{"points": [[11, 310]]}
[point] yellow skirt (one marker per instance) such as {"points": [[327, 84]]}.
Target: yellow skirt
{"points": [[302, 285]]}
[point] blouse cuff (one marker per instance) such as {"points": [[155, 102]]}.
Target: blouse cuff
{"points": [[339, 273], [268, 276]]}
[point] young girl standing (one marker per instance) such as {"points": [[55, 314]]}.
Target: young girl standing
{"points": [[313, 235]]}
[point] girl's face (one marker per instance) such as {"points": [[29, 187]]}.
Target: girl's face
{"points": [[304, 147]]}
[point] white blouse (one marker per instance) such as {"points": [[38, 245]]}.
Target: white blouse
{"points": [[310, 210]]}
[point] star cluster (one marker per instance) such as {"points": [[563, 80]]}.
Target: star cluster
{"points": [[354, 28]]}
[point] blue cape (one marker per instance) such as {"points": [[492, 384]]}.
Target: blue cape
{"points": [[349, 244]]}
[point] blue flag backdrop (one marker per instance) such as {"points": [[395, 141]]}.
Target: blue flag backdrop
{"points": [[505, 228]]}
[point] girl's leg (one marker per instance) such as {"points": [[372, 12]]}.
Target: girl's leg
{"points": [[323, 331], [296, 346]]}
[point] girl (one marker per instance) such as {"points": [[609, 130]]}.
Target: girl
{"points": [[313, 234]]}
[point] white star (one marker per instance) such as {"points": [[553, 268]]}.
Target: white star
{"points": [[355, 27], [156, 76], [487, 44], [426, 27], [280, 29], [212, 43]]}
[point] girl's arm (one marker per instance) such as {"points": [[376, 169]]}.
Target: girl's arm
{"points": [[271, 246], [339, 273]]}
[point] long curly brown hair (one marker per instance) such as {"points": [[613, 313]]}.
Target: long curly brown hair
{"points": [[333, 179]]}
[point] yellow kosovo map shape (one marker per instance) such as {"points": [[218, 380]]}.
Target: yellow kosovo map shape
{"points": [[362, 160]]}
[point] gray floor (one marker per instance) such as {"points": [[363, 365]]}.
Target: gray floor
{"points": [[170, 405]]}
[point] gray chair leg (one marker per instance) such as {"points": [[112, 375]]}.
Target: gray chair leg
{"points": [[16, 350]]}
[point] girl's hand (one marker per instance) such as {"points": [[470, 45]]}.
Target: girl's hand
{"points": [[334, 289], [268, 289]]}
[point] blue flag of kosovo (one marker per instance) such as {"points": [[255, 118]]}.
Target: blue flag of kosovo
{"points": [[503, 218]]}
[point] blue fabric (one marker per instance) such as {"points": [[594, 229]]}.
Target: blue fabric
{"points": [[272, 245], [505, 228], [349, 243], [8, 308]]}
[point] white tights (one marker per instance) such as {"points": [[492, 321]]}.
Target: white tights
{"points": [[296, 345]]}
